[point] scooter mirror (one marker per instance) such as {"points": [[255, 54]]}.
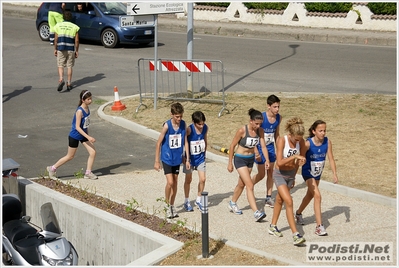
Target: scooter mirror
{"points": [[25, 219]]}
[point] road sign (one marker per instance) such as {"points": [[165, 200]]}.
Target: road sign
{"points": [[137, 21], [154, 8]]}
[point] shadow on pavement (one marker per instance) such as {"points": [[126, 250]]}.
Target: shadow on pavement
{"points": [[15, 93]]}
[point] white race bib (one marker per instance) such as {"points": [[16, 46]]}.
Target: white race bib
{"points": [[316, 168], [269, 138], [197, 147], [251, 142], [175, 141], [86, 122]]}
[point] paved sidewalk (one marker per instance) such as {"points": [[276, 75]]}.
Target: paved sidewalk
{"points": [[347, 219]]}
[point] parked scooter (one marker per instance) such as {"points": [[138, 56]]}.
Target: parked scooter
{"points": [[25, 243]]}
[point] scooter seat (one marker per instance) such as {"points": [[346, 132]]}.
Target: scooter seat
{"points": [[16, 230], [28, 248], [12, 208]]}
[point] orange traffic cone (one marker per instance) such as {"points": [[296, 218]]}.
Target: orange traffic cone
{"points": [[118, 106]]}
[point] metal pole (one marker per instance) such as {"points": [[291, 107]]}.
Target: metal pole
{"points": [[190, 35], [205, 225], [156, 62]]}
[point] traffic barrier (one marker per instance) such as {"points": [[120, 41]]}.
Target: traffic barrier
{"points": [[182, 80], [118, 106], [183, 66]]}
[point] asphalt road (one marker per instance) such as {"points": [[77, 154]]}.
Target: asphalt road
{"points": [[33, 107]]}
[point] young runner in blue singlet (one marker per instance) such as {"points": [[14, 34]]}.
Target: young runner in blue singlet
{"points": [[79, 133], [171, 144], [271, 127], [197, 138], [318, 147]]}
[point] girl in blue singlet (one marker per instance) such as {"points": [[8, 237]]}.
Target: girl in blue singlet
{"points": [[318, 147], [79, 133], [246, 139]]}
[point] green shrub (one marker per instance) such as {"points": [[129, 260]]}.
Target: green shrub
{"points": [[382, 8], [269, 5], [377, 8], [342, 7], [215, 4]]}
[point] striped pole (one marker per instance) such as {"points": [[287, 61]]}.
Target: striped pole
{"points": [[223, 150]]}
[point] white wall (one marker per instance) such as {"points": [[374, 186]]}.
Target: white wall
{"points": [[298, 8], [304, 20]]}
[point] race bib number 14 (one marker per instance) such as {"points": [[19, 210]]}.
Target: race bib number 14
{"points": [[175, 141]]}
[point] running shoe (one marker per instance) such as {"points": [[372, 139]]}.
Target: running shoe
{"points": [[273, 230], [60, 85], [187, 206], [90, 176], [51, 174], [169, 212], [259, 215], [320, 230], [234, 208], [174, 213], [298, 239], [199, 206], [299, 219], [69, 87], [269, 202]]}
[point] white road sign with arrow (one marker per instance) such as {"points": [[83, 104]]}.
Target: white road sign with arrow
{"points": [[154, 8]]}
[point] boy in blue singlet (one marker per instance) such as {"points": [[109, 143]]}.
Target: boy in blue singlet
{"points": [[271, 127], [197, 138], [171, 144], [318, 146]]}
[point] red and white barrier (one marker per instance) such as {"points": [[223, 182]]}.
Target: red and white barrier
{"points": [[183, 66]]}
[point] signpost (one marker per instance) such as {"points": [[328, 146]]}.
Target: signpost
{"points": [[150, 8]]}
